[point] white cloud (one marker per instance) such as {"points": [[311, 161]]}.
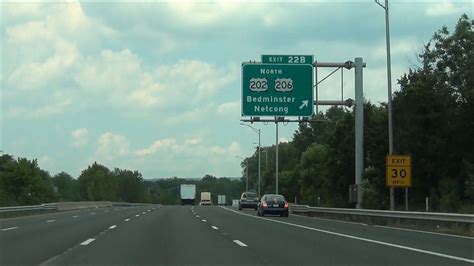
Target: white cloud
{"points": [[190, 147], [192, 77], [115, 74], [200, 14], [229, 108], [111, 146], [157, 146], [191, 155], [442, 8], [283, 140], [79, 137], [39, 112], [33, 76], [192, 141], [45, 159]]}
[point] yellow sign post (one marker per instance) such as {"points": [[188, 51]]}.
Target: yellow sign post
{"points": [[398, 170]]}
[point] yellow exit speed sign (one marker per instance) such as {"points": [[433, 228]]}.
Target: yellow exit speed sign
{"points": [[398, 170]]}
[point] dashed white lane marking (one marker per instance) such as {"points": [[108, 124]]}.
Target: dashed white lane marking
{"points": [[92, 212], [197, 216], [137, 215], [214, 227], [112, 227], [424, 232], [9, 228], [50, 221], [239, 243], [359, 238], [106, 210], [204, 220], [87, 242], [149, 210], [143, 212], [126, 220], [75, 216]]}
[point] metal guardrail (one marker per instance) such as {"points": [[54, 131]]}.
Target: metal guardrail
{"points": [[58, 206], [432, 216], [47, 206]]}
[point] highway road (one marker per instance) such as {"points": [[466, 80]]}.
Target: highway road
{"points": [[212, 235]]}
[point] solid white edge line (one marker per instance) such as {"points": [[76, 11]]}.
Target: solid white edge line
{"points": [[359, 238], [112, 227], [214, 227], [50, 221], [10, 228], [87, 242], [317, 218], [126, 220], [421, 231], [239, 243]]}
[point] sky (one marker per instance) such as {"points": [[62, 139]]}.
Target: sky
{"points": [[156, 86]]}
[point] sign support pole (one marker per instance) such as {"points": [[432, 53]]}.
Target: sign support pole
{"points": [[359, 130], [406, 199], [316, 85], [276, 159], [247, 181], [259, 152]]}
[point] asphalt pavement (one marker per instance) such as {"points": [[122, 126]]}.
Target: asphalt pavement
{"points": [[213, 235]]}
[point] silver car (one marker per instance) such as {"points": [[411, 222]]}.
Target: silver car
{"points": [[248, 200]]}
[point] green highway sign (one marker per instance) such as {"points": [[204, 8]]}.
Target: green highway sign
{"points": [[287, 59], [277, 89]]}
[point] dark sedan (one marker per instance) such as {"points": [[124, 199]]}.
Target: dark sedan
{"points": [[272, 204]]}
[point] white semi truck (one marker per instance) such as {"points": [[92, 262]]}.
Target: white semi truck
{"points": [[188, 194]]}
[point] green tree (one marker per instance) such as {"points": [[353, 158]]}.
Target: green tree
{"points": [[67, 187], [130, 185], [434, 116], [24, 183], [97, 183]]}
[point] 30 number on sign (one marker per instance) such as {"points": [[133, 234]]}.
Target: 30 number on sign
{"points": [[402, 173]]}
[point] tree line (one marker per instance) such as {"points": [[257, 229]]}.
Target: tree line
{"points": [[23, 182], [433, 118]]}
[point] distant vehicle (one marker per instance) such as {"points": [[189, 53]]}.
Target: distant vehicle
{"points": [[205, 198], [272, 204], [221, 200], [248, 200], [188, 194]]}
